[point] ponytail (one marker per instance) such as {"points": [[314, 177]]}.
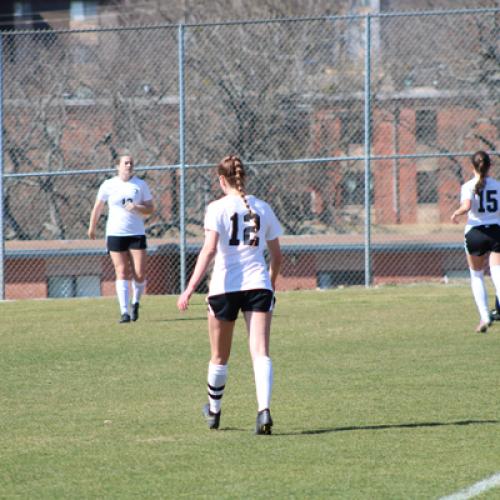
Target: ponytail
{"points": [[482, 163]]}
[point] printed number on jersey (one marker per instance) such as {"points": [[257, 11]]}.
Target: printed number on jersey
{"points": [[488, 201], [250, 226]]}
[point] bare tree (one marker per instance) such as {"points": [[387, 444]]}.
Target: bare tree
{"points": [[75, 103], [76, 100]]}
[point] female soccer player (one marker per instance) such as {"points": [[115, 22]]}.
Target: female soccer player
{"points": [[129, 201], [237, 228], [480, 199]]}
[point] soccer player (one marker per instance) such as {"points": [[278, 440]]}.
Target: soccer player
{"points": [[129, 201], [238, 227], [480, 200]]}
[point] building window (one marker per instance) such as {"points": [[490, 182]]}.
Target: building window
{"points": [[352, 129], [81, 10], [23, 15], [426, 126], [427, 189], [353, 188], [74, 286]]}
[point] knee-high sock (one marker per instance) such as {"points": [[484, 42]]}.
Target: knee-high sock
{"points": [[495, 277], [216, 382], [122, 291], [137, 291], [480, 295], [263, 372]]}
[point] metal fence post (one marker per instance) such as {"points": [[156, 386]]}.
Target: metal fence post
{"points": [[367, 152], [182, 162], [290, 76], [2, 236]]}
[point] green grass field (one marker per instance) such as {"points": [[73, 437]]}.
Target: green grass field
{"points": [[379, 394]]}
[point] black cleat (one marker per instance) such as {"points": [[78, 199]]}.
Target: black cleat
{"points": [[125, 318], [494, 315], [483, 327], [135, 312], [264, 422], [212, 419]]}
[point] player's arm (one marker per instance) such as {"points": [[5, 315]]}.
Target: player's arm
{"points": [[463, 209], [94, 217], [145, 208], [205, 257], [275, 258]]}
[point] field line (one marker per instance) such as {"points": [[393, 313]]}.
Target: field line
{"points": [[475, 489]]}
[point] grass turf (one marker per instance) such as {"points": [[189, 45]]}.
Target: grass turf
{"points": [[380, 393]]}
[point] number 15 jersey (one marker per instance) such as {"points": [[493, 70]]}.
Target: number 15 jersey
{"points": [[485, 207], [239, 263]]}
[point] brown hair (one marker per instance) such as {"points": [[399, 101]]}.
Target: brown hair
{"points": [[482, 163], [232, 169]]}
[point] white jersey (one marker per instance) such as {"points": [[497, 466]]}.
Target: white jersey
{"points": [[116, 192], [239, 265], [485, 208]]}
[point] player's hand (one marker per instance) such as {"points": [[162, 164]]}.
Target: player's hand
{"points": [[91, 234], [129, 206], [183, 301]]}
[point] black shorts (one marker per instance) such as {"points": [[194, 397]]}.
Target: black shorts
{"points": [[483, 239], [227, 305], [125, 243]]}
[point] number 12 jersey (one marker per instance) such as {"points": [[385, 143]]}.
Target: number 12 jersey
{"points": [[239, 263]]}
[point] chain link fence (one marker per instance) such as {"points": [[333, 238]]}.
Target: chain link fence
{"points": [[356, 129]]}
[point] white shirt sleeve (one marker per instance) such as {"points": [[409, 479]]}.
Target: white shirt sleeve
{"points": [[274, 229], [103, 193], [211, 219], [466, 193], [146, 193]]}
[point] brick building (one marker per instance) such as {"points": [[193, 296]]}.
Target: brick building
{"points": [[65, 108]]}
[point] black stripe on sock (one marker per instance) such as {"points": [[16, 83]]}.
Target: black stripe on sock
{"points": [[214, 396], [212, 388]]}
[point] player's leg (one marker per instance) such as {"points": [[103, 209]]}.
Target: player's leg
{"points": [[476, 268], [220, 333], [259, 327], [138, 259], [494, 233], [123, 274], [495, 277], [258, 322]]}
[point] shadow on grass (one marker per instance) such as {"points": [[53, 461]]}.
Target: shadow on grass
{"points": [[413, 425], [174, 320]]}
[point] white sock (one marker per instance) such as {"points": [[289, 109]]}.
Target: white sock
{"points": [[495, 277], [480, 295], [137, 291], [263, 371], [216, 382], [122, 291]]}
